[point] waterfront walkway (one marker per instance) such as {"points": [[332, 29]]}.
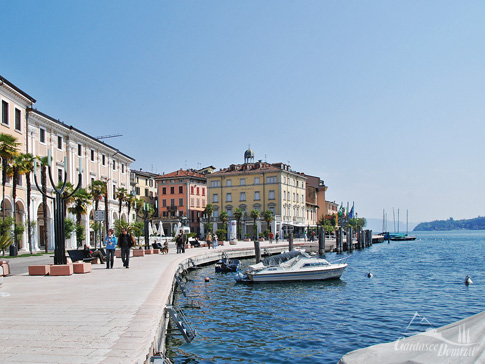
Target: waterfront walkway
{"points": [[106, 316]]}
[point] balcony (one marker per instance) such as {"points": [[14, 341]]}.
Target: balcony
{"points": [[171, 208]]}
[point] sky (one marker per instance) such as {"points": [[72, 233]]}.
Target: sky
{"points": [[383, 100]]}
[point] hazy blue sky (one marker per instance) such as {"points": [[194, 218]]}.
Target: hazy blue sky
{"points": [[384, 100]]}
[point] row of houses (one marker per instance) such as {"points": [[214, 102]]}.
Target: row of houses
{"points": [[297, 200], [71, 149]]}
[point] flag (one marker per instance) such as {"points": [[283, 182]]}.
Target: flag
{"points": [[351, 213]]}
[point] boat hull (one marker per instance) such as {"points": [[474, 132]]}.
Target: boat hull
{"points": [[288, 275]]}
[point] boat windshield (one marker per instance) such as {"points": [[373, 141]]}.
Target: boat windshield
{"points": [[281, 258]]}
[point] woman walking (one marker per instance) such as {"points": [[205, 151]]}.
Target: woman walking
{"points": [[110, 241]]}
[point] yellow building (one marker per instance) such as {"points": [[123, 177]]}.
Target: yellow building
{"points": [[260, 186]]}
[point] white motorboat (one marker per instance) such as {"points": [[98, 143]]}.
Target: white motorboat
{"points": [[296, 265]]}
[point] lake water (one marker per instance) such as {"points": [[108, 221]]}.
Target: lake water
{"points": [[319, 322]]}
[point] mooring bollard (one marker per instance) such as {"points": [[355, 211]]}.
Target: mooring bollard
{"points": [[257, 251], [290, 241], [321, 241]]}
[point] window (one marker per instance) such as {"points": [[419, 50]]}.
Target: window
{"points": [[203, 191], [4, 112], [147, 192], [122, 168], [198, 190], [103, 160], [146, 182], [172, 190], [271, 179], [242, 196], [59, 142], [18, 120], [215, 183], [181, 189], [192, 200], [92, 155], [164, 203], [228, 182], [181, 201], [164, 190], [114, 165], [271, 195], [137, 190], [79, 150], [242, 181], [228, 197], [256, 196], [59, 175], [191, 190], [284, 195], [172, 202], [151, 183], [114, 192], [256, 180], [42, 135], [215, 198]]}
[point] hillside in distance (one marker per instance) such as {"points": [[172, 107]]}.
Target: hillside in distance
{"points": [[478, 223]]}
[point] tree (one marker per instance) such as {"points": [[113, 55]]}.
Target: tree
{"points": [[208, 211], [97, 191], [268, 216], [137, 230], [238, 214], [8, 150], [223, 217], [130, 201], [121, 195], [255, 215], [5, 241], [81, 200]]}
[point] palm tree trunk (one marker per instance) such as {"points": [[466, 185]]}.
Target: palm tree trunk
{"points": [[29, 228], [14, 197]]}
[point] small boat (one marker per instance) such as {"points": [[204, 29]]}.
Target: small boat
{"points": [[296, 265], [225, 264], [404, 237]]}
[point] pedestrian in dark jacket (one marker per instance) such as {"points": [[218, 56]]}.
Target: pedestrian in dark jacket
{"points": [[125, 241]]}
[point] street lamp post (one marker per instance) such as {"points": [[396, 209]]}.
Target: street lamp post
{"points": [[59, 208], [146, 212]]}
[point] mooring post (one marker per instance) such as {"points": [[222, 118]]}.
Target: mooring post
{"points": [[321, 241], [370, 237], [350, 239], [290, 242], [340, 238], [257, 251]]}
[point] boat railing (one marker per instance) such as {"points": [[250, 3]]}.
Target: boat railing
{"points": [[342, 261]]}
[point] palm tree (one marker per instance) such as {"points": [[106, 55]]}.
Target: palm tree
{"points": [[26, 168], [8, 150], [13, 171], [208, 211], [81, 200], [130, 201], [44, 162], [238, 214], [97, 191], [121, 195], [223, 217], [255, 215], [268, 216]]}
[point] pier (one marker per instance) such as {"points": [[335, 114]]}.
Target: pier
{"points": [[105, 316]]}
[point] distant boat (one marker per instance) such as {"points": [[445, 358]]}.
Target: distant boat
{"points": [[401, 237]]}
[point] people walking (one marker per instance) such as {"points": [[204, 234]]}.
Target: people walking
{"points": [[277, 237], [110, 243], [179, 243], [185, 239], [208, 240], [125, 242], [214, 241], [271, 238]]}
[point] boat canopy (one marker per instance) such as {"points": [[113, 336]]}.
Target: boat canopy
{"points": [[281, 258]]}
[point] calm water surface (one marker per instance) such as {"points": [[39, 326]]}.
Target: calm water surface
{"points": [[319, 322]]}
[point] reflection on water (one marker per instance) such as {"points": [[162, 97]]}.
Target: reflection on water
{"points": [[318, 322]]}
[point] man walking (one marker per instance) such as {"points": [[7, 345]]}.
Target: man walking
{"points": [[125, 242]]}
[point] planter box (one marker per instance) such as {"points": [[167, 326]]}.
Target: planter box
{"points": [[203, 245], [247, 239], [5, 266], [148, 251], [39, 270], [138, 253], [61, 270], [220, 243], [118, 253], [156, 251], [232, 242], [81, 268]]}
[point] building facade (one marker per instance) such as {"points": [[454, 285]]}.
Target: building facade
{"points": [[71, 151], [260, 186], [182, 199], [144, 187]]}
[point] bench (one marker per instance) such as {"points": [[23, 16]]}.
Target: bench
{"points": [[77, 255]]}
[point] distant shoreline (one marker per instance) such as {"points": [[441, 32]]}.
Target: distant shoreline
{"points": [[477, 223]]}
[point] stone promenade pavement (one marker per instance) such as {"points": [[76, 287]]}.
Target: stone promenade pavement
{"points": [[109, 316]]}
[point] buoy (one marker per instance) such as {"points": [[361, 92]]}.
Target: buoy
{"points": [[207, 279], [468, 280], [370, 275]]}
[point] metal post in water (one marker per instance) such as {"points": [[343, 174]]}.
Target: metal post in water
{"points": [[321, 241], [349, 239], [257, 251], [290, 240]]}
